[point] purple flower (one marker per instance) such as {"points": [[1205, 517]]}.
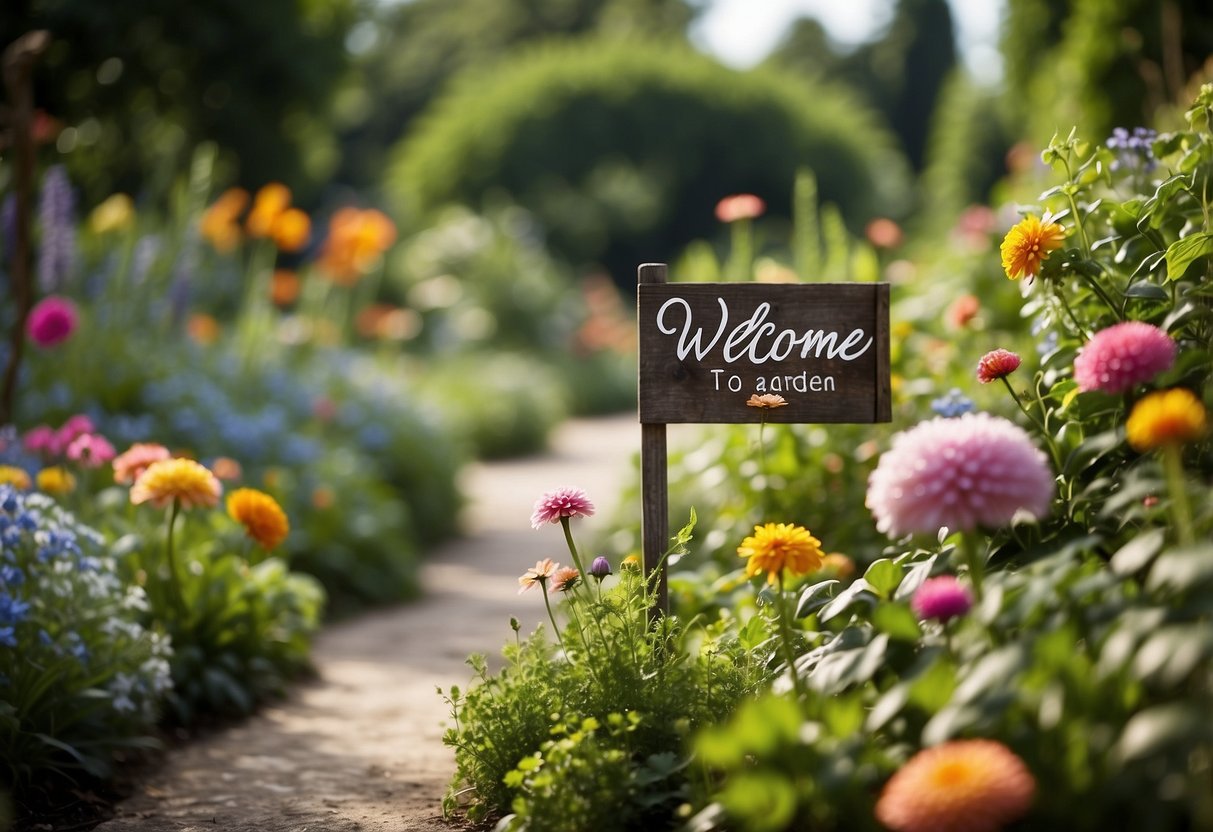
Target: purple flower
{"points": [[553, 506], [57, 248], [600, 568], [1122, 356], [941, 598], [52, 321], [974, 470], [1134, 150]]}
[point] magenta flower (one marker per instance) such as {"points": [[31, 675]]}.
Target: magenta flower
{"points": [[973, 470], [52, 321], [39, 440], [561, 503], [92, 450], [996, 364], [1123, 355], [941, 598]]}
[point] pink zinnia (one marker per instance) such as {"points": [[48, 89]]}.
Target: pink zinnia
{"points": [[52, 321], [941, 598], [92, 450], [996, 364], [1123, 355], [132, 462], [553, 506], [964, 472], [39, 440]]}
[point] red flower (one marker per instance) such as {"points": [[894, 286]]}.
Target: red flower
{"points": [[997, 364]]}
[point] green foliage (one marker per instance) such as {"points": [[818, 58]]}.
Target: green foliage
{"points": [[621, 150], [594, 726], [137, 85], [81, 675], [1087, 651]]}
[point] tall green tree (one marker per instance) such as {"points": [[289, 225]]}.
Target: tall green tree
{"points": [[138, 83]]}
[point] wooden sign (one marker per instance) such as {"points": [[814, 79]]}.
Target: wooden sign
{"points": [[705, 348]]}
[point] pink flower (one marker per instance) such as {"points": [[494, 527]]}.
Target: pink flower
{"points": [[52, 321], [537, 574], [75, 426], [92, 450], [739, 207], [997, 364], [135, 459], [553, 506], [964, 472], [565, 579], [941, 598], [39, 440], [1122, 356]]}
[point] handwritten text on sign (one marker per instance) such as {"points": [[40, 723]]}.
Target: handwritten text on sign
{"points": [[706, 347]]}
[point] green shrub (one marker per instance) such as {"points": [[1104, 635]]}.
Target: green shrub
{"points": [[622, 149]]}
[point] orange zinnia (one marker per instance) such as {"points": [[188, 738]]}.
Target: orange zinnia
{"points": [[1028, 244], [260, 514], [779, 546], [218, 225], [355, 243], [1166, 417], [269, 204], [291, 230]]}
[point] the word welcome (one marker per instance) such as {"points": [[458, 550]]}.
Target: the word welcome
{"points": [[756, 338]]}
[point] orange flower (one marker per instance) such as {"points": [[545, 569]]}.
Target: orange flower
{"points": [[269, 204], [1166, 417], [537, 574], [184, 481], [767, 401], [1028, 244], [284, 287], [291, 230], [260, 515], [775, 547], [972, 785], [218, 225], [355, 243], [226, 468], [202, 328], [739, 207]]}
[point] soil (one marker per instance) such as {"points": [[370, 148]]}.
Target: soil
{"points": [[360, 746]]}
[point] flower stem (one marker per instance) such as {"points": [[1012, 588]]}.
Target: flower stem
{"points": [[173, 577], [568, 539], [968, 551], [1036, 422], [1181, 512], [785, 638], [555, 628]]}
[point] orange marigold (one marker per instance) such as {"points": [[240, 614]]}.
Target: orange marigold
{"points": [[1028, 244], [779, 546], [355, 243], [1166, 417], [260, 514], [960, 786], [291, 230], [268, 205], [218, 226], [184, 481]]}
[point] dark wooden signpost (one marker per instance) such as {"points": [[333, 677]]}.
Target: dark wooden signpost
{"points": [[706, 348]]}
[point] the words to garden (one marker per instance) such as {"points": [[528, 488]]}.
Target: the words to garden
{"points": [[705, 348]]}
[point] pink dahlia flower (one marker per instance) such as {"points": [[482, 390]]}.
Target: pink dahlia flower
{"points": [[941, 598], [135, 460], [92, 450], [973, 470], [52, 321], [996, 364], [563, 502], [1123, 355], [39, 440]]}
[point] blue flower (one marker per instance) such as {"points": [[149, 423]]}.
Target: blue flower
{"points": [[1134, 149], [953, 404], [8, 637]]}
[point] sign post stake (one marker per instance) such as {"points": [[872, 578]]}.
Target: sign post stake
{"points": [[654, 483]]}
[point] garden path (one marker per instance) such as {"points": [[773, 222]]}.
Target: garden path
{"points": [[360, 747]]}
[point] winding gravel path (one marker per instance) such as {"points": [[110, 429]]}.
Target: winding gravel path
{"points": [[360, 748]]}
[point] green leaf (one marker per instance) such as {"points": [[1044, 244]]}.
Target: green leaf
{"points": [[897, 620], [815, 596], [883, 576], [1181, 253], [1182, 569], [1147, 291], [845, 598], [1138, 552], [1160, 727]]}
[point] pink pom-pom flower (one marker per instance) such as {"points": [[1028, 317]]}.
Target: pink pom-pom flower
{"points": [[52, 321], [996, 364], [962, 473], [563, 502], [1123, 355], [941, 598]]}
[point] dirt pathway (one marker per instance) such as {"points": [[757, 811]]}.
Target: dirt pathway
{"points": [[361, 748]]}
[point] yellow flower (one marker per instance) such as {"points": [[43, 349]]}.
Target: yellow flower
{"points": [[1166, 417], [14, 476], [260, 515], [779, 546], [268, 205], [56, 480], [184, 481], [1028, 244], [974, 785], [218, 225], [291, 230], [630, 564], [114, 214]]}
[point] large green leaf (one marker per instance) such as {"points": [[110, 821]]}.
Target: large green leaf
{"points": [[1181, 253]]}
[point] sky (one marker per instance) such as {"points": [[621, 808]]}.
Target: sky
{"points": [[741, 32]]}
